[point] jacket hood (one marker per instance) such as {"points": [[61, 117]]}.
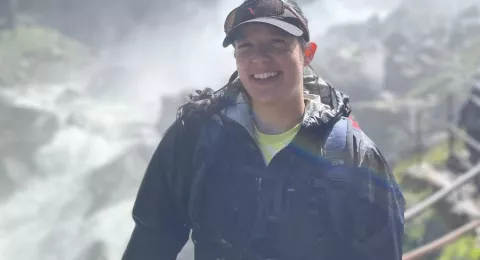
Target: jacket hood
{"points": [[323, 102]]}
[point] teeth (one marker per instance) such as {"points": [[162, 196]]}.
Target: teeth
{"points": [[265, 75]]}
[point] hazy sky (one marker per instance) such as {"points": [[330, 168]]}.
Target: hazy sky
{"points": [[187, 53]]}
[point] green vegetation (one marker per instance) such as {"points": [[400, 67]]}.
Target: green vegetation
{"points": [[37, 54], [465, 248], [435, 156], [415, 230]]}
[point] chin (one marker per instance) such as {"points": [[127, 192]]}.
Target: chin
{"points": [[268, 98]]}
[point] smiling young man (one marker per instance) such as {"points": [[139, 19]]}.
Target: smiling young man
{"points": [[269, 166]]}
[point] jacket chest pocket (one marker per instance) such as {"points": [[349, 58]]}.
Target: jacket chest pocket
{"points": [[229, 198], [301, 227], [308, 228]]}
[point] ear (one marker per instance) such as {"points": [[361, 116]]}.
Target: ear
{"points": [[309, 53]]}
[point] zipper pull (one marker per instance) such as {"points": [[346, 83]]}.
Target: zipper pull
{"points": [[259, 184]]}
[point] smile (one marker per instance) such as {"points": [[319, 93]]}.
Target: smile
{"points": [[265, 75]]}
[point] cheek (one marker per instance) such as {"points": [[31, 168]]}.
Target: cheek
{"points": [[294, 59], [242, 70], [294, 67], [301, 58], [242, 63]]}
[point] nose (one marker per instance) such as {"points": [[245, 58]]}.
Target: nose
{"points": [[262, 55]]}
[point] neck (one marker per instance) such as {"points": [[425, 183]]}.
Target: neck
{"points": [[280, 117]]}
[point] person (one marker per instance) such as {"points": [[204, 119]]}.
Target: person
{"points": [[470, 119], [270, 166]]}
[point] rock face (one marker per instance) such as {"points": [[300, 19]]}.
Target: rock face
{"points": [[411, 54], [119, 179], [24, 130], [96, 251], [169, 106], [101, 23]]}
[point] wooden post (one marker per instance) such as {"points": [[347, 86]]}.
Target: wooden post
{"points": [[450, 120], [419, 135]]}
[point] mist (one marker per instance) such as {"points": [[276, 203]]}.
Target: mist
{"points": [[67, 192], [184, 53]]}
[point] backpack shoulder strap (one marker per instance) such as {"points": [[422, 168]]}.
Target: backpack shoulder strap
{"points": [[338, 148], [339, 144]]}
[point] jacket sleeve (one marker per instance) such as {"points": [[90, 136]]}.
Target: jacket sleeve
{"points": [[161, 228], [378, 207]]}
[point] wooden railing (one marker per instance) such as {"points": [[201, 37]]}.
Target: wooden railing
{"points": [[448, 187]]}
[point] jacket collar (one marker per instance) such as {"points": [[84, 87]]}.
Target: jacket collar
{"points": [[323, 103]]}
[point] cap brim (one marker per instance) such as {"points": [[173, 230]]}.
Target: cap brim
{"points": [[289, 28]]}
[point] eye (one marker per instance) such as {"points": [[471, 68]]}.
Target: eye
{"points": [[279, 40], [243, 45]]}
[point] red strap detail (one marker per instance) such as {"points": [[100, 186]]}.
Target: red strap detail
{"points": [[354, 123]]}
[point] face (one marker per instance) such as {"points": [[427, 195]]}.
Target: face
{"points": [[270, 63]]}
